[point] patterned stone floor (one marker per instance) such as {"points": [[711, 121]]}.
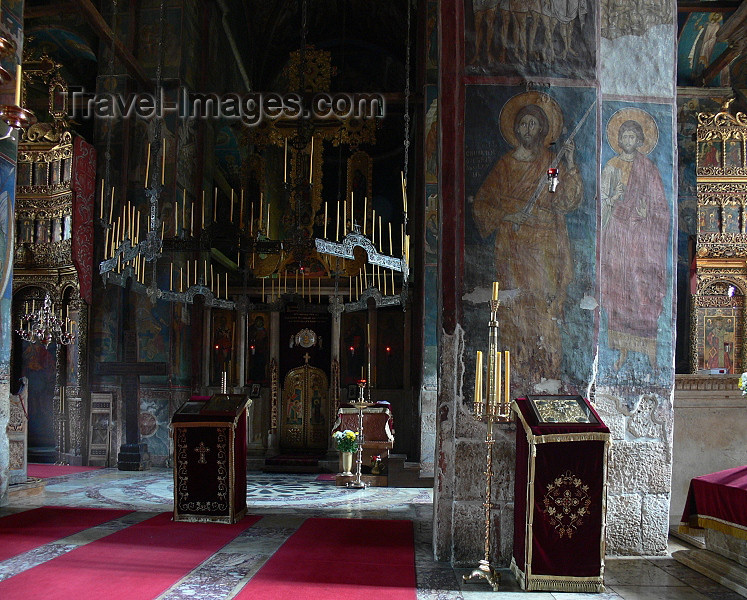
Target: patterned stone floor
{"points": [[285, 501]]}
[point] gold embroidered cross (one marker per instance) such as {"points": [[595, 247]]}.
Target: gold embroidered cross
{"points": [[202, 450]]}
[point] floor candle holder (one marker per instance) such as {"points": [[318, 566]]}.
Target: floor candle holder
{"points": [[494, 408], [360, 403]]}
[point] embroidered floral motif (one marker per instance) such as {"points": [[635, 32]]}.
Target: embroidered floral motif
{"points": [[567, 503]]}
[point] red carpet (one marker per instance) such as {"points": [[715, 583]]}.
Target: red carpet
{"points": [[44, 471], [335, 559], [136, 563], [32, 528], [326, 477]]}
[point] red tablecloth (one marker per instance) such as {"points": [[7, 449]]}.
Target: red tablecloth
{"points": [[718, 501]]}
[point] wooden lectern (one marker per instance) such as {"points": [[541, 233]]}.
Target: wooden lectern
{"points": [[209, 436]]}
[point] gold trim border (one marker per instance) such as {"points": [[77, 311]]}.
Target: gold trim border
{"points": [[544, 582]]}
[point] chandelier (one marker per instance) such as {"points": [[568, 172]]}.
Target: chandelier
{"points": [[45, 327]]}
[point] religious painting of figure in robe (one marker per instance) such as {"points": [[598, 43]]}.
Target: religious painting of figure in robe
{"points": [[734, 153], [709, 154], [258, 348], [709, 220], [719, 343], [533, 259], [222, 345], [635, 230]]}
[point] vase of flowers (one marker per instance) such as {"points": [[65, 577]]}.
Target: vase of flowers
{"points": [[743, 383], [347, 444]]}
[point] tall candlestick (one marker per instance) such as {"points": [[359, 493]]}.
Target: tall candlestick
{"points": [[507, 384], [111, 205], [192, 219], [311, 159], [391, 251], [260, 211], [163, 162], [365, 213], [215, 204], [251, 219], [352, 212], [203, 210], [176, 218], [184, 208], [325, 219], [101, 211], [337, 226], [241, 209], [19, 83], [344, 218], [478, 384], [231, 217], [285, 163], [147, 166]]}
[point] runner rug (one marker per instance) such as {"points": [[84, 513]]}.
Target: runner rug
{"points": [[330, 559], [30, 529], [136, 563]]}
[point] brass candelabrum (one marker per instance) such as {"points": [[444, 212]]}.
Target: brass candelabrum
{"points": [[493, 407], [360, 403]]}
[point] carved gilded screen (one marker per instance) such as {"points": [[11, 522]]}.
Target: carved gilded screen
{"points": [[717, 309], [304, 422]]}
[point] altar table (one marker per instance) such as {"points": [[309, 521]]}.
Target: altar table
{"points": [[559, 500], [210, 459], [718, 501], [378, 437]]}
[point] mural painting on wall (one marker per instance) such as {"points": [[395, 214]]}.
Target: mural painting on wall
{"points": [[180, 346], [106, 323], [719, 343], [698, 46], [224, 332], [353, 348], [153, 333], [538, 243], [431, 134], [7, 181], [552, 37], [39, 367], [154, 424], [72, 350], [257, 347], [390, 359], [636, 233]]}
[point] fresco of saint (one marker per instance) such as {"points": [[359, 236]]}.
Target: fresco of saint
{"points": [[635, 233], [533, 261]]}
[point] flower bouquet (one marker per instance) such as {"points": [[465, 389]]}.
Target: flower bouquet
{"points": [[743, 383], [347, 441]]}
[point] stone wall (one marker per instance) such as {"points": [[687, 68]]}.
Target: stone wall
{"points": [[587, 275]]}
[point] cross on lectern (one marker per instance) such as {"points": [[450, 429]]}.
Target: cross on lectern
{"points": [[202, 450], [133, 455]]}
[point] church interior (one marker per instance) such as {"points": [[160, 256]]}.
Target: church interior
{"points": [[502, 243]]}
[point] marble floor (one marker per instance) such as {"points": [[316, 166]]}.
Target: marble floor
{"points": [[285, 501]]}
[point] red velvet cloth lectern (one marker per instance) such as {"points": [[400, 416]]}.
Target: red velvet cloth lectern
{"points": [[210, 459], [560, 494]]}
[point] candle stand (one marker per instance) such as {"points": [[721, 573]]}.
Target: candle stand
{"points": [[494, 409], [360, 403]]}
